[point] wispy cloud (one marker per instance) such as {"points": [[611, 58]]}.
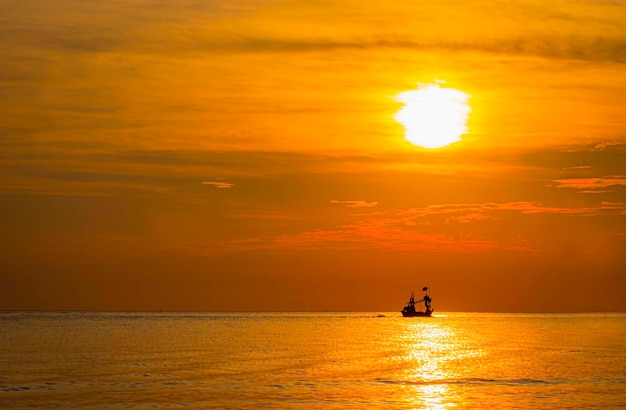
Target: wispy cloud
{"points": [[415, 230], [355, 204], [593, 192], [501, 27], [588, 184], [218, 184], [578, 167], [608, 144], [370, 235]]}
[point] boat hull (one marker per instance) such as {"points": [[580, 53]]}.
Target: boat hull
{"points": [[428, 313]]}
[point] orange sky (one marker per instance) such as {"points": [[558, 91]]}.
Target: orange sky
{"points": [[243, 155]]}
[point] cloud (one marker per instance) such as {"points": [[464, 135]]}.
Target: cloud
{"points": [[426, 229], [617, 206], [578, 167], [588, 184], [370, 235], [535, 28], [465, 213], [355, 204], [608, 144], [220, 185], [589, 49]]}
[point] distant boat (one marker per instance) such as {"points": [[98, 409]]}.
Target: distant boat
{"points": [[410, 311]]}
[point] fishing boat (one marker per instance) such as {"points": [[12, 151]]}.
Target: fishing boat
{"points": [[410, 310]]}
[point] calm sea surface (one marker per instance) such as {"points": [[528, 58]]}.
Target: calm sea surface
{"points": [[116, 360]]}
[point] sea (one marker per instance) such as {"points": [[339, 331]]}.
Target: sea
{"points": [[171, 360]]}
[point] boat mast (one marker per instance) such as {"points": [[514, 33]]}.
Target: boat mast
{"points": [[427, 298]]}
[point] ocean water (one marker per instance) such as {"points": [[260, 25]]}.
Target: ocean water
{"points": [[118, 360]]}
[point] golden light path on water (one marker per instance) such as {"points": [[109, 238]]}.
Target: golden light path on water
{"points": [[436, 352], [433, 116]]}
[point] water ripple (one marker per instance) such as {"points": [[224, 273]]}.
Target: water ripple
{"points": [[476, 380]]}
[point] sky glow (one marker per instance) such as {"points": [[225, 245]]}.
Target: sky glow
{"points": [[253, 155]]}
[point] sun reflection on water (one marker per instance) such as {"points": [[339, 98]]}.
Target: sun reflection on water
{"points": [[434, 355], [432, 396], [428, 351]]}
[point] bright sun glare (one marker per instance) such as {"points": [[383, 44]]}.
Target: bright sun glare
{"points": [[433, 117]]}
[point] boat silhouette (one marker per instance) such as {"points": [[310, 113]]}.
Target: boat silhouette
{"points": [[410, 310]]}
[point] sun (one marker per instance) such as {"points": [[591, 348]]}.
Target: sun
{"points": [[433, 116]]}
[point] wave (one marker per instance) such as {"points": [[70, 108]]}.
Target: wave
{"points": [[477, 380]]}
